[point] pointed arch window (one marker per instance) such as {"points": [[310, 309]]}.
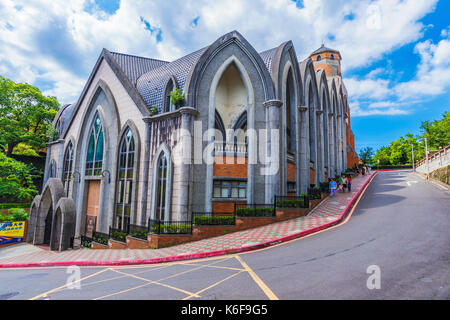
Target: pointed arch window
{"points": [[161, 186], [319, 58], [68, 165], [332, 57], [94, 162], [125, 180], [168, 105]]}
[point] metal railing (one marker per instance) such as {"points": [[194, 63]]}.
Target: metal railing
{"points": [[314, 194], [292, 202], [137, 231], [169, 227], [213, 218], [254, 210]]}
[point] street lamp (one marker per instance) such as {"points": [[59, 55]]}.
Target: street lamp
{"points": [[412, 148]]}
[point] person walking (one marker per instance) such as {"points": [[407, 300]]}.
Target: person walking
{"points": [[332, 188], [344, 183], [363, 171], [349, 183], [339, 183]]}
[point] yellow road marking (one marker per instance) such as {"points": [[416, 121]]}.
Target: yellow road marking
{"points": [[215, 284], [67, 284], [258, 280], [157, 281]]}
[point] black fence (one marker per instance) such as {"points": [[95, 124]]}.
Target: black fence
{"points": [[254, 210], [213, 219], [118, 234], [314, 193], [324, 187], [137, 231], [169, 227], [292, 201]]}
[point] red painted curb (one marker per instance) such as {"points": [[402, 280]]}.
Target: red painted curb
{"points": [[196, 255]]}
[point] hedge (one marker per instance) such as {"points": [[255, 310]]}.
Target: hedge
{"points": [[139, 233], [400, 166], [171, 228], [214, 220], [291, 204], [14, 205], [14, 214], [255, 212]]}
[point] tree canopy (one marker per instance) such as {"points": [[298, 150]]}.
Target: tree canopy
{"points": [[26, 115], [399, 151]]}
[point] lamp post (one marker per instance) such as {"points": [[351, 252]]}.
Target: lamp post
{"points": [[412, 147]]}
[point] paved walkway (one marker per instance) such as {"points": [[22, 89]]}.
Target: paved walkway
{"points": [[329, 211]]}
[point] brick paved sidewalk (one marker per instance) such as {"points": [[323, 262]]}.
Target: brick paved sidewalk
{"points": [[329, 210]]}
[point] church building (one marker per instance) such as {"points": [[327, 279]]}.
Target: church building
{"points": [[128, 151]]}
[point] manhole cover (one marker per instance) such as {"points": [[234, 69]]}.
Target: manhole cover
{"points": [[9, 295]]}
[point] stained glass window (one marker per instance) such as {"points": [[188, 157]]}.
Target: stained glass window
{"points": [[94, 161]]}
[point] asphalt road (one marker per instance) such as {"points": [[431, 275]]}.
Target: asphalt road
{"points": [[401, 226]]}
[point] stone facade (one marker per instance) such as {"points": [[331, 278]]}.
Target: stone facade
{"points": [[129, 165]]}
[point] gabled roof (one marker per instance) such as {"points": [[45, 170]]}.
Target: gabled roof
{"points": [[134, 66], [152, 84]]}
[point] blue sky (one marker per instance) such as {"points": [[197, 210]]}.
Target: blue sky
{"points": [[396, 53]]}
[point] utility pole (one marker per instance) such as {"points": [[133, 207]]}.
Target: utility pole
{"points": [[412, 146]]}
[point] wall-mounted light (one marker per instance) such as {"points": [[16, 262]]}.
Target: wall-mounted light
{"points": [[109, 175]]}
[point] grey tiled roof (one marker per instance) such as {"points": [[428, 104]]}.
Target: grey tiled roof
{"points": [[134, 66], [267, 57], [151, 85]]}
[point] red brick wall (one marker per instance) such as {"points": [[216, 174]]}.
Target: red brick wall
{"points": [[230, 170], [290, 171]]}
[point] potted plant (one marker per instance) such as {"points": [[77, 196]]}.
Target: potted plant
{"points": [[177, 98]]}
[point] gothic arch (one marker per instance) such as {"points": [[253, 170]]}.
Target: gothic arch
{"points": [[163, 149]]}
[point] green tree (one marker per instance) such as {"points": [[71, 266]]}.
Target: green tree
{"points": [[366, 154], [26, 115], [437, 132], [16, 180]]}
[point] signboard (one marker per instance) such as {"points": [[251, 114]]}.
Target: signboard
{"points": [[12, 232], [91, 222]]}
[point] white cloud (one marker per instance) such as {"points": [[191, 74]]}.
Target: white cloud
{"points": [[59, 42]]}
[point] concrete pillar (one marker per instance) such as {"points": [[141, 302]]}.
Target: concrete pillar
{"points": [[273, 123], [320, 150], [304, 163], [186, 142], [144, 206]]}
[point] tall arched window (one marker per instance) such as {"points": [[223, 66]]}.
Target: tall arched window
{"points": [[94, 162], [161, 187], [125, 180], [319, 58], [68, 164]]}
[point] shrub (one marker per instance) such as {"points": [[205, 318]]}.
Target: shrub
{"points": [[119, 236], [16, 180], [17, 214], [100, 238], [170, 228], [254, 212], [291, 204], [139, 233], [14, 205], [214, 220]]}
